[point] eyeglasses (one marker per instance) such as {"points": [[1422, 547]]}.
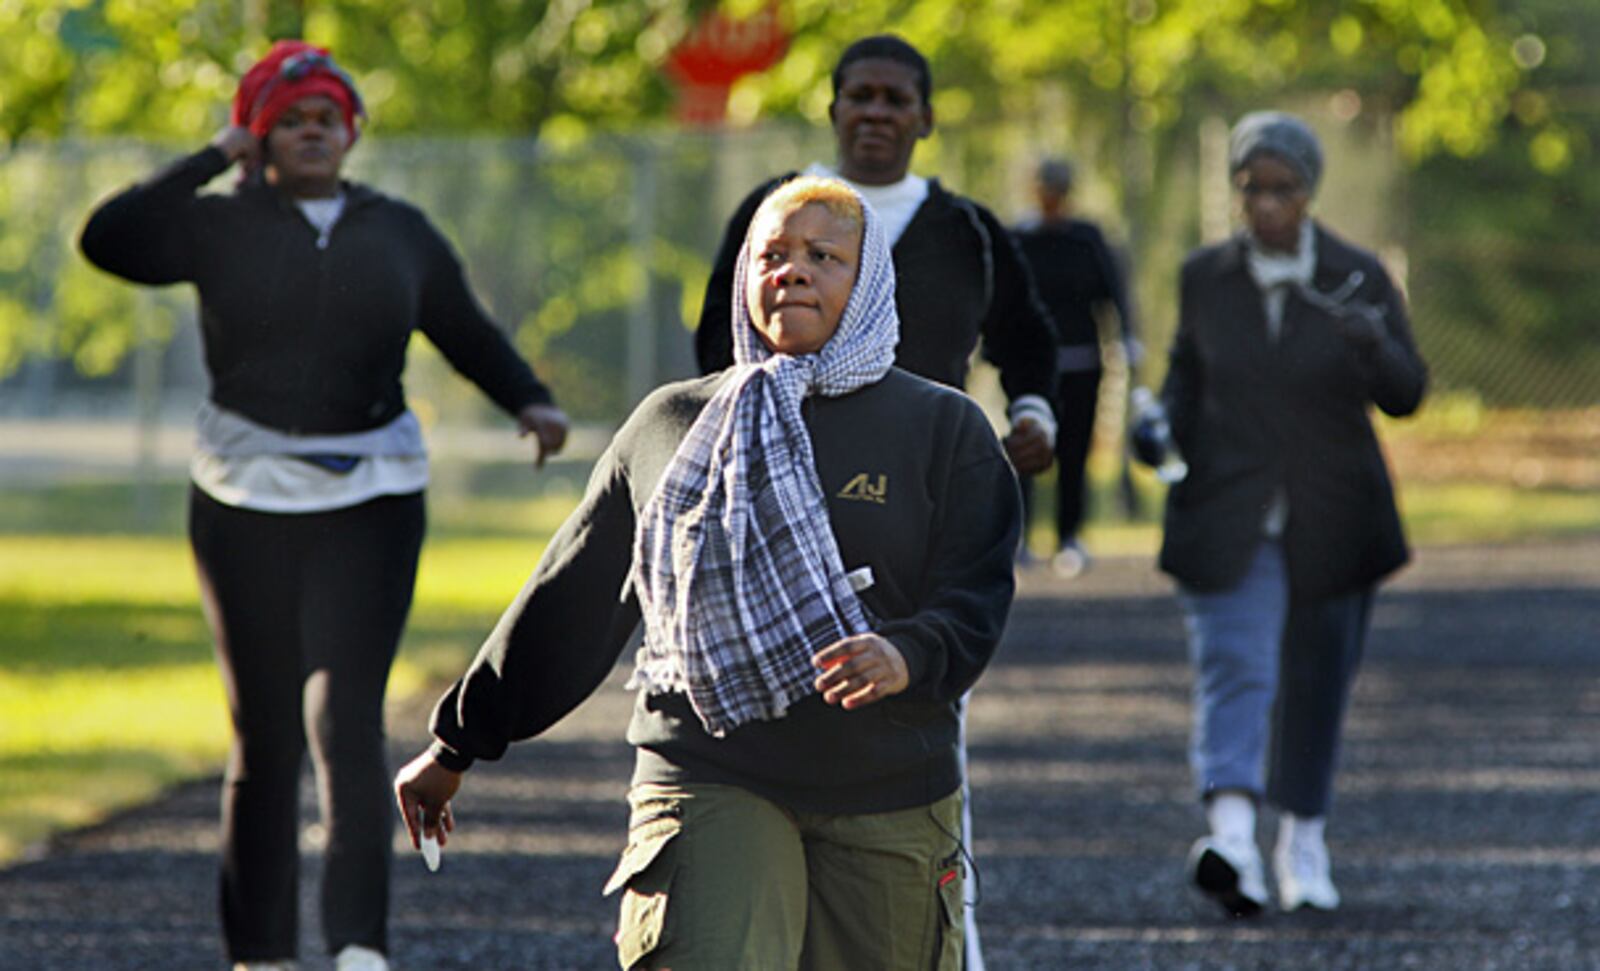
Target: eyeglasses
{"points": [[299, 66], [1283, 191]]}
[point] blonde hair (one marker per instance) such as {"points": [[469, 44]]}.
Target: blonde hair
{"points": [[831, 194]]}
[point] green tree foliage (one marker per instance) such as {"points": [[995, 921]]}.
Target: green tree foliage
{"points": [[1507, 261], [1445, 67], [165, 71], [167, 68], [1138, 74]]}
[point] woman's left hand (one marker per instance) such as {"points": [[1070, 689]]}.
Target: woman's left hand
{"points": [[1360, 323], [860, 670], [548, 425]]}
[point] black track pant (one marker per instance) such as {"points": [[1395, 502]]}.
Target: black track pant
{"points": [[306, 611], [1077, 395]]}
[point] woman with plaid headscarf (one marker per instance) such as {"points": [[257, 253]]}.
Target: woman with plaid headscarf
{"points": [[819, 546], [306, 513]]}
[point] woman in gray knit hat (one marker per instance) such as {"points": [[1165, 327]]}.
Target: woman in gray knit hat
{"points": [[1286, 520]]}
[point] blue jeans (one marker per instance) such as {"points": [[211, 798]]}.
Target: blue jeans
{"points": [[1272, 681]]}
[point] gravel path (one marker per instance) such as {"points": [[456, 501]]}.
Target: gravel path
{"points": [[1466, 836]]}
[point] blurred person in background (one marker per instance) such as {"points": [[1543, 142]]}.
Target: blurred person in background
{"points": [[1286, 521], [1078, 278], [306, 512], [961, 284], [820, 546], [961, 280]]}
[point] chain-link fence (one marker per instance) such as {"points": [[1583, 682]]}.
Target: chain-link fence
{"points": [[595, 256], [1488, 333]]}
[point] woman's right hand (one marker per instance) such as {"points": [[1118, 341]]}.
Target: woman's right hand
{"points": [[423, 789], [238, 144]]}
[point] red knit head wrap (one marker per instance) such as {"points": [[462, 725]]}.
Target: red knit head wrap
{"points": [[293, 70]]}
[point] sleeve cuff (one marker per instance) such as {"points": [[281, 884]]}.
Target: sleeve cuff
{"points": [[916, 660], [1037, 408], [206, 164], [1133, 352], [539, 395], [449, 757]]}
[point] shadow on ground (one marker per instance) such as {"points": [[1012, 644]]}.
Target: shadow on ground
{"points": [[1466, 835]]}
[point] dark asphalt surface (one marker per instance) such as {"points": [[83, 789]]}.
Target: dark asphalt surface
{"points": [[1466, 836]]}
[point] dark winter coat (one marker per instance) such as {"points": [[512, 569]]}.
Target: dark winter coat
{"points": [[1252, 415]]}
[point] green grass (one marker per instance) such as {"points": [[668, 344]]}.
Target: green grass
{"points": [[1465, 512], [1435, 513], [108, 690]]}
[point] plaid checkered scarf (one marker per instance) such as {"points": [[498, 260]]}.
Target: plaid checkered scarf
{"points": [[735, 565]]}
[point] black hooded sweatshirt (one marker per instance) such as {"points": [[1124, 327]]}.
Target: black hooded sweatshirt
{"points": [[306, 334]]}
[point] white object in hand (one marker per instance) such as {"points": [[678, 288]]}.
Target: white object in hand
{"points": [[430, 853], [1146, 409]]}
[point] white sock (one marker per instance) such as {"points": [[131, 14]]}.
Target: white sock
{"points": [[1232, 816], [1301, 830]]}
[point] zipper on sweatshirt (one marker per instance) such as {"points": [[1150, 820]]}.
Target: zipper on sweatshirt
{"points": [[324, 233], [324, 228], [321, 305]]}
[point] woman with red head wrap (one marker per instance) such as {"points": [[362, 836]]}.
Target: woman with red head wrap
{"points": [[294, 117], [306, 514], [293, 70]]}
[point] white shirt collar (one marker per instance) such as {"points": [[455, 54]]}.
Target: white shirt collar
{"points": [[896, 203]]}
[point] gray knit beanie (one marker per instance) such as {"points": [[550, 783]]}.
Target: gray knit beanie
{"points": [[1055, 173], [1281, 135]]}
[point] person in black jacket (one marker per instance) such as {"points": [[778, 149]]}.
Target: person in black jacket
{"points": [[306, 512], [1078, 277], [1286, 520], [962, 282], [820, 547]]}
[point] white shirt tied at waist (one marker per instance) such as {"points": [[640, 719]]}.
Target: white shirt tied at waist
{"points": [[241, 463]]}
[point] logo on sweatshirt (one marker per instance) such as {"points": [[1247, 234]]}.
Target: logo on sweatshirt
{"points": [[863, 488]]}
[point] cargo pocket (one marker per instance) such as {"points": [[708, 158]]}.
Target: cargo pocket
{"points": [[644, 874], [951, 919]]}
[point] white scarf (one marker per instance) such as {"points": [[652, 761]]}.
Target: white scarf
{"points": [[1275, 272], [735, 565]]}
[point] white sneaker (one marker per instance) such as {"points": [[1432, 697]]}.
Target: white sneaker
{"points": [[1302, 870], [354, 957], [1231, 873], [1070, 561]]}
